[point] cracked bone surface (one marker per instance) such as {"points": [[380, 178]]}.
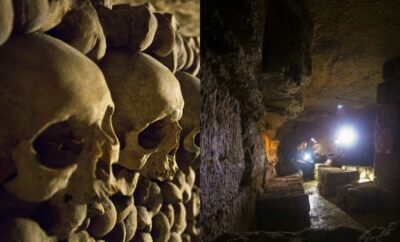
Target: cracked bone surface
{"points": [[130, 26], [57, 140], [148, 133]]}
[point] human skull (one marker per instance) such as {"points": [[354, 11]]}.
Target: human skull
{"points": [[130, 26], [149, 105], [55, 122], [6, 20], [189, 150]]}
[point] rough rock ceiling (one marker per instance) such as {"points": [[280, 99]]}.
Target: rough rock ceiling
{"points": [[352, 40]]}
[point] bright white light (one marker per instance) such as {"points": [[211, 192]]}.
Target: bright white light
{"points": [[313, 140], [346, 136], [339, 106], [307, 156]]}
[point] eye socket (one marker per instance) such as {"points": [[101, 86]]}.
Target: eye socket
{"points": [[152, 135], [197, 139], [58, 146]]}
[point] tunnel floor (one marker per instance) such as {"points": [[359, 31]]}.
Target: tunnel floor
{"points": [[323, 213]]}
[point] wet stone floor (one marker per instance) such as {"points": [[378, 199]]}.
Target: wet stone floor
{"points": [[323, 213]]}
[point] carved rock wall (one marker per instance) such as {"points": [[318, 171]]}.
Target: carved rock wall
{"points": [[233, 153], [233, 161]]}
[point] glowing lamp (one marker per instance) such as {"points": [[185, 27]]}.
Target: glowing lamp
{"points": [[307, 156], [346, 136]]}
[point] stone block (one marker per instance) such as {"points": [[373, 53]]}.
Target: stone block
{"points": [[308, 170], [358, 197], [289, 210], [332, 178], [318, 168]]}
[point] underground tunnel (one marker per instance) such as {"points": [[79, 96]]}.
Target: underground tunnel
{"points": [[299, 121]]}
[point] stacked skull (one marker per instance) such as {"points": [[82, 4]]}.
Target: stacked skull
{"points": [[104, 151]]}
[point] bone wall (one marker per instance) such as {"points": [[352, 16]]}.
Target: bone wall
{"points": [[99, 138]]}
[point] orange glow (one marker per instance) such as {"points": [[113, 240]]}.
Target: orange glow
{"points": [[271, 149]]}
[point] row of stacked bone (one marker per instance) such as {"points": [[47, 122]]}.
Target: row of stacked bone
{"points": [[153, 211], [88, 151], [92, 26]]}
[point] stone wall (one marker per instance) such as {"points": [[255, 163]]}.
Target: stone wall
{"points": [[233, 161], [387, 143], [233, 155]]}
